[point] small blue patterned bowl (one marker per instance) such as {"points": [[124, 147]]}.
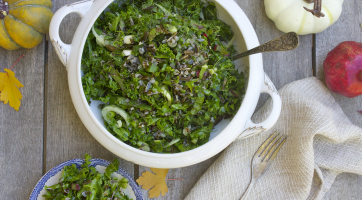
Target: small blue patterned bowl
{"points": [[52, 177]]}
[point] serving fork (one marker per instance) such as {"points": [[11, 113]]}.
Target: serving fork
{"points": [[263, 158]]}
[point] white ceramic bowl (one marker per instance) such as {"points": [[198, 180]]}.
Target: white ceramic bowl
{"points": [[224, 133]]}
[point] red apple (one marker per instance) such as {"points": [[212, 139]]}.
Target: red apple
{"points": [[343, 69]]}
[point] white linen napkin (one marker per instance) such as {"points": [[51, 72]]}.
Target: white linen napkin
{"points": [[321, 143]]}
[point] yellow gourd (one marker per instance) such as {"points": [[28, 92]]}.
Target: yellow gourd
{"points": [[23, 23]]}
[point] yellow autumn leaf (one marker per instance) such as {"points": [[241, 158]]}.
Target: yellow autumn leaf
{"points": [[2, 77], [9, 88], [156, 181]]}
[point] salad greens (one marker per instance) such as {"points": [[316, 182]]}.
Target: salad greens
{"points": [[156, 67], [87, 183]]}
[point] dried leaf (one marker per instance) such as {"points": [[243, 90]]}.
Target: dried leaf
{"points": [[2, 77], [9, 88], [156, 181]]}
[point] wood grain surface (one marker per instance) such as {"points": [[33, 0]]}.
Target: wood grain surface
{"points": [[178, 189], [48, 112], [21, 133], [347, 28]]}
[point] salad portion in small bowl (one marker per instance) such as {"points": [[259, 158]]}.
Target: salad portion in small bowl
{"points": [[89, 179], [155, 67]]}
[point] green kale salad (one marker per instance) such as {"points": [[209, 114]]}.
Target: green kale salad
{"points": [[156, 66], [87, 183]]}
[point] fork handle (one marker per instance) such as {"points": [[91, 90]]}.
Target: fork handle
{"points": [[246, 193]]}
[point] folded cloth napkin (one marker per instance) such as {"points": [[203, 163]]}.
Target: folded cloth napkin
{"points": [[321, 143]]}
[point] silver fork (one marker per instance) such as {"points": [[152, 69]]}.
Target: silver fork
{"points": [[263, 158]]}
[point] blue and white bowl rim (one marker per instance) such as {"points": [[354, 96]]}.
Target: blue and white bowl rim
{"points": [[78, 162]]}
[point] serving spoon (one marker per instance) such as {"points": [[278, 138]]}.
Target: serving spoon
{"points": [[286, 42]]}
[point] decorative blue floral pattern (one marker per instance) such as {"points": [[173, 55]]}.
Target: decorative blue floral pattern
{"points": [[78, 162]]}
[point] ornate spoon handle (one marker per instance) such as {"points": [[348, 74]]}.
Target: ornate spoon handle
{"points": [[286, 42]]}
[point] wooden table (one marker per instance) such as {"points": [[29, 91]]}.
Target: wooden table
{"points": [[47, 130]]}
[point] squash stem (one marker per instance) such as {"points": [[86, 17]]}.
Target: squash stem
{"points": [[317, 10], [4, 9]]}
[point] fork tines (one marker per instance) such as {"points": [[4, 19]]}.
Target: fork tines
{"points": [[270, 148]]}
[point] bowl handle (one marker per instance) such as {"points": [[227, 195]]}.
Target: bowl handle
{"points": [[251, 128], [62, 49]]}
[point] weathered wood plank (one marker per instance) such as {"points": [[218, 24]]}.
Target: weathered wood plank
{"points": [[359, 185], [347, 28], [281, 67], [21, 133], [178, 189], [67, 138]]}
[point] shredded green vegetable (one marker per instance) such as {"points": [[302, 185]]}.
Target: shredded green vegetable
{"points": [[87, 183], [155, 60]]}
